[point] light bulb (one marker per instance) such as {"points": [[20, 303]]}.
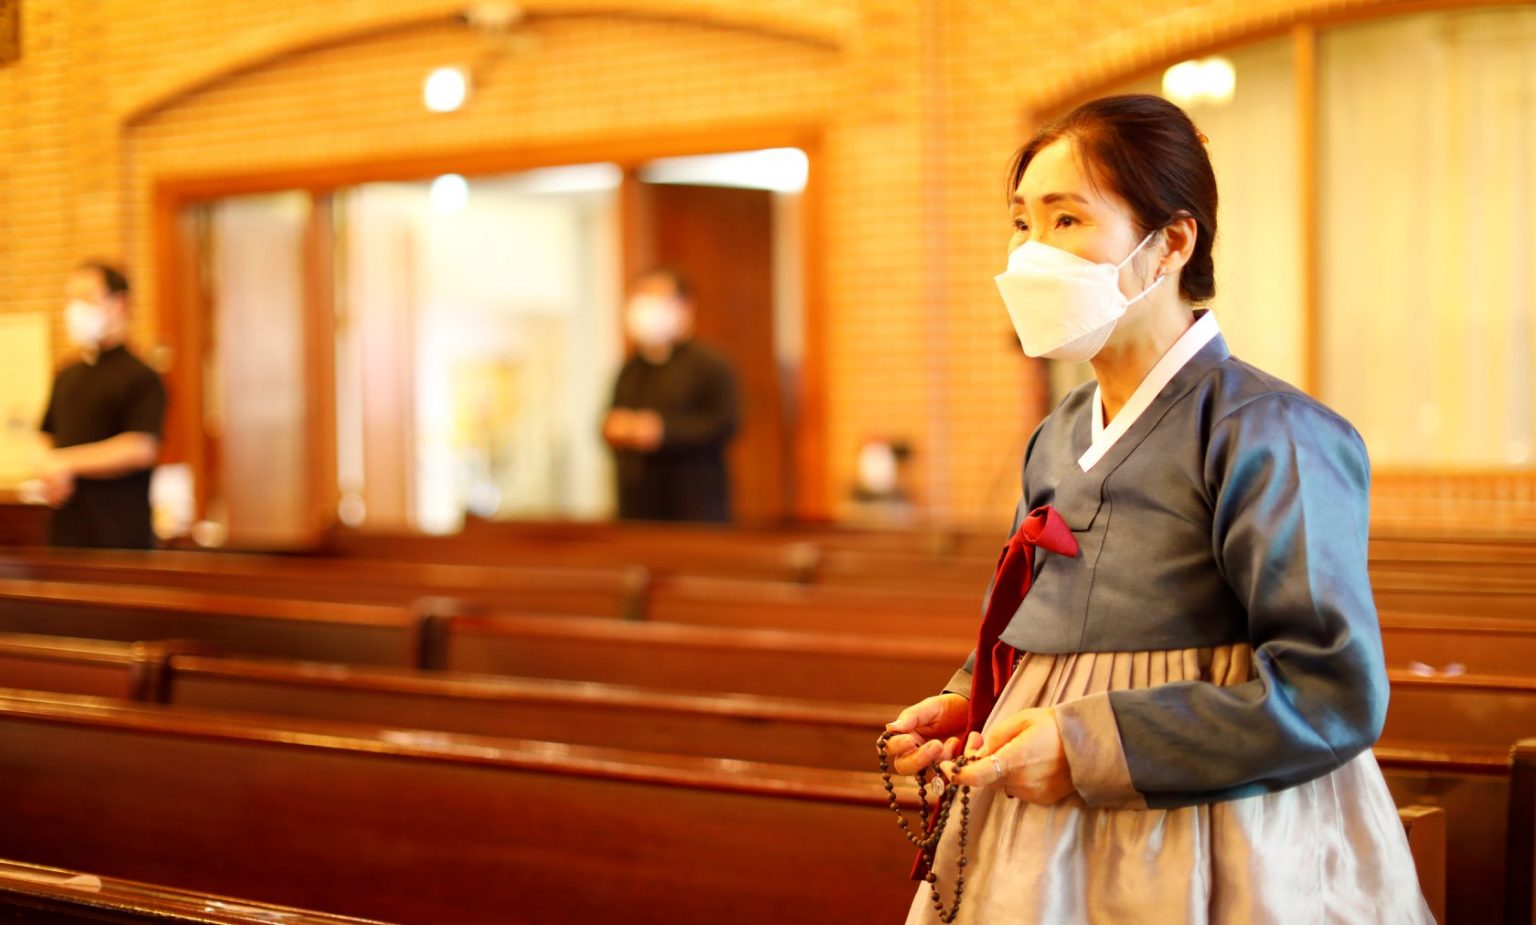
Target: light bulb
{"points": [[449, 194], [445, 89]]}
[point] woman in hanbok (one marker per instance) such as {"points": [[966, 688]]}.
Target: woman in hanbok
{"points": [[1187, 691]]}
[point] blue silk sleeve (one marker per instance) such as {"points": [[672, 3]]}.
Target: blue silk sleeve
{"points": [[1288, 483]]}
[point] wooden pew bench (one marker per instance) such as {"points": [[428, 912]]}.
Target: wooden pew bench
{"points": [[131, 671], [1416, 614], [699, 658], [1473, 786], [1483, 644], [766, 729], [437, 828], [431, 829], [697, 550], [368, 634], [618, 592], [1470, 710], [825, 666], [1479, 645], [380, 635], [876, 612], [1425, 828], [32, 893], [774, 730]]}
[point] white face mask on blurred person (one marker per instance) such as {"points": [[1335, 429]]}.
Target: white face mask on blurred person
{"points": [[654, 322], [1063, 306], [85, 323]]}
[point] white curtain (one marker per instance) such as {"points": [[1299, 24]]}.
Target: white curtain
{"points": [[1253, 149], [1427, 220]]}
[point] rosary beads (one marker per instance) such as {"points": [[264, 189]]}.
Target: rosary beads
{"points": [[932, 828]]}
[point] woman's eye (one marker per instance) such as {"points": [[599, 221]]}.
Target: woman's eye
{"points": [[1020, 225], [1065, 221]]}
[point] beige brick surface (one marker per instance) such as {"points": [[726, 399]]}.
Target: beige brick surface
{"points": [[918, 104]]}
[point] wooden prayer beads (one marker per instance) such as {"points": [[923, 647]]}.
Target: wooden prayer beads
{"points": [[933, 828]]}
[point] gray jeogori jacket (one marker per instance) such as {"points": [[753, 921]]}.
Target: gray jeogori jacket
{"points": [[1234, 509]]}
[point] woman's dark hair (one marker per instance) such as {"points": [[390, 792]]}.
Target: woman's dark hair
{"points": [[1148, 151]]}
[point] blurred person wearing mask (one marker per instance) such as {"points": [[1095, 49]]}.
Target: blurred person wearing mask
{"points": [[674, 410], [100, 436]]}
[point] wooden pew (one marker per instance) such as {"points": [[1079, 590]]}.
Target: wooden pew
{"points": [[746, 660], [351, 820], [618, 592], [441, 828], [829, 734], [1467, 711], [690, 550], [734, 727], [837, 736], [827, 666], [1482, 644], [1425, 827], [844, 555], [621, 593], [131, 671], [1472, 785], [833, 666], [330, 631], [33, 893], [21, 524], [1520, 853], [880, 613], [1476, 710]]}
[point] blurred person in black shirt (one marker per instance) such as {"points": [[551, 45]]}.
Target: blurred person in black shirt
{"points": [[674, 410], [101, 433]]}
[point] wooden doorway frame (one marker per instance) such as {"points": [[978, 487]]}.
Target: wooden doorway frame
{"points": [[182, 310]]}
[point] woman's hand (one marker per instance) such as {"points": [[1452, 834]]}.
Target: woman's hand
{"points": [[930, 733], [1023, 754]]}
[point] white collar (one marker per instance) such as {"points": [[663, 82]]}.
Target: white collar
{"points": [[1202, 332]]}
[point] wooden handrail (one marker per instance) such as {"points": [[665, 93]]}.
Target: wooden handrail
{"points": [[141, 598], [715, 774], [710, 637], [534, 691], [61, 891]]}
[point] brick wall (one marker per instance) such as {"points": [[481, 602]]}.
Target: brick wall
{"points": [[918, 103]]}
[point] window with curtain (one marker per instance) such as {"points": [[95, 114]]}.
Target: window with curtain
{"points": [[1425, 222]]}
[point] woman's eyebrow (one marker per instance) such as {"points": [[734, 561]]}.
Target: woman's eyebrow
{"points": [[1050, 198]]}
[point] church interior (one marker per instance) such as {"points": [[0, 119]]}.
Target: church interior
{"points": [[440, 612]]}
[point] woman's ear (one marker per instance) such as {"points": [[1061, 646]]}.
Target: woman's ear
{"points": [[1178, 244]]}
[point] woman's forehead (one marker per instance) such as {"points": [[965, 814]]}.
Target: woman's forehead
{"points": [[1058, 170]]}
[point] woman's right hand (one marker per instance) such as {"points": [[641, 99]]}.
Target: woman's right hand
{"points": [[928, 733]]}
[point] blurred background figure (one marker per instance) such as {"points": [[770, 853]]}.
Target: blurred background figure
{"points": [[100, 436], [674, 410]]}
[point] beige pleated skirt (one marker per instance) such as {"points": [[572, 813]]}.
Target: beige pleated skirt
{"points": [[1328, 851]]}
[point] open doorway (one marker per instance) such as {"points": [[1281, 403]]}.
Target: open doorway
{"points": [[405, 354], [732, 223]]}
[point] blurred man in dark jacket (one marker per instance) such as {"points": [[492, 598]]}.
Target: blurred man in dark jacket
{"points": [[674, 410]]}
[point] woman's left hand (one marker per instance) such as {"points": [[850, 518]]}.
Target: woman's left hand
{"points": [[1023, 754]]}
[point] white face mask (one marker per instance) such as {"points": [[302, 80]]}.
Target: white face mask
{"points": [[85, 323], [654, 321], [1063, 306]]}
